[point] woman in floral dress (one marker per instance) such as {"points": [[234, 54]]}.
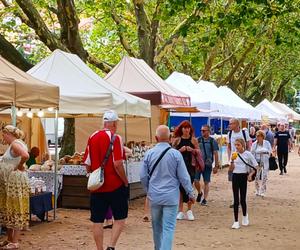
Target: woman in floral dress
{"points": [[14, 187]]}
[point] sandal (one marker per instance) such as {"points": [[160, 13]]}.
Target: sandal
{"points": [[3, 243], [11, 245], [146, 218], [108, 226]]}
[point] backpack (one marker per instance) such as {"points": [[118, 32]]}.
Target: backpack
{"points": [[244, 135]]}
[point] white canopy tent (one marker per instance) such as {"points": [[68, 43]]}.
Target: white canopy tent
{"points": [[291, 114], [221, 102], [82, 91], [272, 113]]}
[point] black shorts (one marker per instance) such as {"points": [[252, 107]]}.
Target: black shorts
{"points": [[117, 200]]}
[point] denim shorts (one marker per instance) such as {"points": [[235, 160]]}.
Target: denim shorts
{"points": [[206, 174]]}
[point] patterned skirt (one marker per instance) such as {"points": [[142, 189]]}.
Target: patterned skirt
{"points": [[17, 200], [5, 171]]}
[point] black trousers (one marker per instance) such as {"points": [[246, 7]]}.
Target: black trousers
{"points": [[239, 188], [282, 159]]}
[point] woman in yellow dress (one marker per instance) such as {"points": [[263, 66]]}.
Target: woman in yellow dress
{"points": [[14, 187]]}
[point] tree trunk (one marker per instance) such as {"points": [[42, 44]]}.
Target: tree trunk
{"points": [[68, 140]]}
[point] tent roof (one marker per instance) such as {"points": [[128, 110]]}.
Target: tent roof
{"points": [[136, 77], [206, 95], [82, 91], [269, 110], [287, 110], [24, 91]]}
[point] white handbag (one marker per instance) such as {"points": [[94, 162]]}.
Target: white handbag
{"points": [[96, 178]]}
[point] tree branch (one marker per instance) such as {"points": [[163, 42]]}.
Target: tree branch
{"points": [[121, 34], [144, 29], [105, 67], [154, 31], [39, 25], [74, 43], [238, 64], [185, 24], [9, 52]]}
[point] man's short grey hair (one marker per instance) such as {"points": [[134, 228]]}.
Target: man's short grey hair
{"points": [[163, 132]]}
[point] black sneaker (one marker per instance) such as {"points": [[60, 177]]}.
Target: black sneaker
{"points": [[281, 173], [284, 170], [199, 197], [110, 248], [204, 202], [231, 206]]}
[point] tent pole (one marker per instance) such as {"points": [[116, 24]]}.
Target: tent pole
{"points": [[55, 162], [221, 144], [125, 128], [14, 116], [191, 118], [150, 130]]}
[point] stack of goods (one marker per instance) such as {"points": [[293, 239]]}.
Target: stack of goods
{"points": [[47, 166], [138, 150], [37, 185], [75, 159]]}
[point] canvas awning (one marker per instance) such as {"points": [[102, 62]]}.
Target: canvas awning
{"points": [[24, 91], [287, 110], [270, 111], [135, 76], [82, 91]]}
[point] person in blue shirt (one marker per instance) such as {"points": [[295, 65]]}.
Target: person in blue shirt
{"points": [[209, 149], [162, 187]]}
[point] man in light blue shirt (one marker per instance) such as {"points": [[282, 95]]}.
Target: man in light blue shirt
{"points": [[162, 187]]}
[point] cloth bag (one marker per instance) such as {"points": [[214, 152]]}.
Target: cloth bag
{"points": [[96, 178]]}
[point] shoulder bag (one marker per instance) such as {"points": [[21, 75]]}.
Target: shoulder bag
{"points": [[247, 164], [96, 178], [272, 163]]}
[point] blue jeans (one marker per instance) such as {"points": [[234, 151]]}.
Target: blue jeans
{"points": [[163, 225]]}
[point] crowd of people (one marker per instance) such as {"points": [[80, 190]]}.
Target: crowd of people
{"points": [[169, 173]]}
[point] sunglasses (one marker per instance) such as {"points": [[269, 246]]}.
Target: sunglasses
{"points": [[203, 130]]}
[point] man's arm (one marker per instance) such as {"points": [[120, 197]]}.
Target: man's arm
{"points": [[119, 167]]}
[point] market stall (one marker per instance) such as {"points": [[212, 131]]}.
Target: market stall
{"points": [[20, 91], [84, 94]]}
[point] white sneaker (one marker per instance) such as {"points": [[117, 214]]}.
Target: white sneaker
{"points": [[245, 220], [180, 216], [257, 193], [262, 195], [235, 225], [190, 215]]}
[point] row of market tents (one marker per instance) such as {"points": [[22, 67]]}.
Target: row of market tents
{"points": [[63, 81]]}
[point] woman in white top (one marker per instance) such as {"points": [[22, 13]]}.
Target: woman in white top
{"points": [[261, 149], [242, 173], [14, 187]]}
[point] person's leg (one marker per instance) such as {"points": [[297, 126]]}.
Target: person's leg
{"points": [[235, 190], [197, 185], [169, 224], [98, 206], [98, 235], [116, 231], [10, 233], [264, 181], [16, 236], [180, 209], [119, 206], [206, 190], [280, 158], [243, 193], [206, 178], [157, 225], [285, 160]]}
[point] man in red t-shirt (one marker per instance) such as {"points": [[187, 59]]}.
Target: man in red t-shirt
{"points": [[113, 193]]}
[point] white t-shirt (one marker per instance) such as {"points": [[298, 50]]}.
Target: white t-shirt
{"points": [[240, 167], [237, 135]]}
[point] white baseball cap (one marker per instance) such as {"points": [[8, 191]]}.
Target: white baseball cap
{"points": [[111, 116]]}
